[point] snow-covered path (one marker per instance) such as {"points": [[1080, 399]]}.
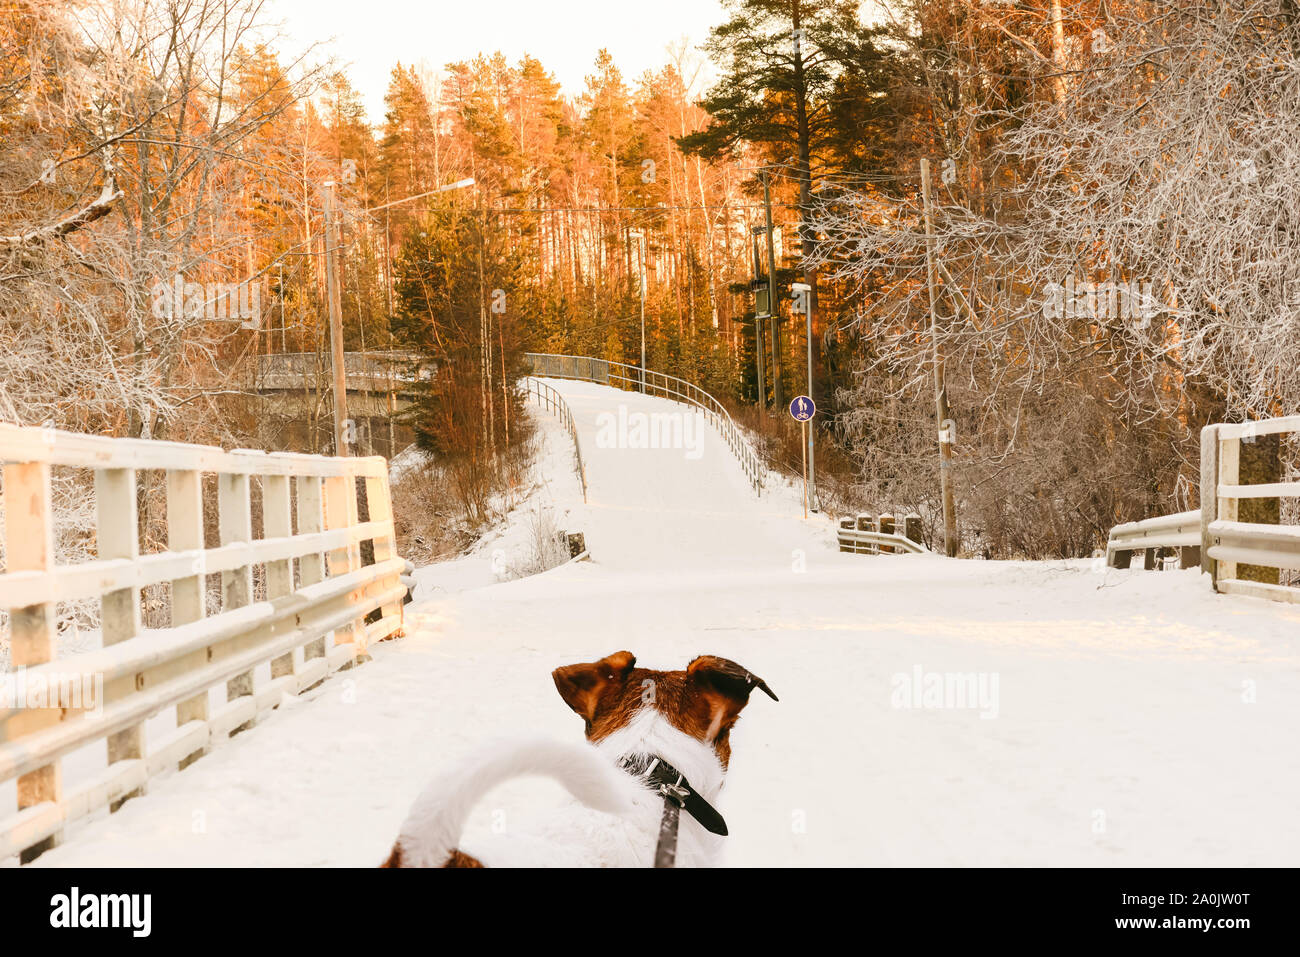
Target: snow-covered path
{"points": [[1139, 719]]}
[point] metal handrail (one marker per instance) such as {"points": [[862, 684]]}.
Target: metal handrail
{"points": [[1181, 531], [554, 402], [865, 537], [632, 378]]}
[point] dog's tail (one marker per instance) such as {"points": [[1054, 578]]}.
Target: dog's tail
{"points": [[434, 825]]}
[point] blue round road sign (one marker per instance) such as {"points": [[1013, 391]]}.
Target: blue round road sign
{"points": [[802, 408]]}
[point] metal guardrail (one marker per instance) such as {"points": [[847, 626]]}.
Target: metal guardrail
{"points": [[1181, 531], [634, 379], [554, 402], [212, 668], [879, 542], [867, 534]]}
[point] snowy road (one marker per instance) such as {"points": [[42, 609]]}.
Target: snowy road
{"points": [[1138, 718]]}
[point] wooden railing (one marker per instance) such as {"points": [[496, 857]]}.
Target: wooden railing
{"points": [[1230, 543], [218, 670], [1213, 536]]}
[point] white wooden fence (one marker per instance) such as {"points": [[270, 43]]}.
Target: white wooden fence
{"points": [[1213, 536], [1229, 542], [311, 623]]}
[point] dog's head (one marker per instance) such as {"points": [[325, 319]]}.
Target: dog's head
{"points": [[703, 701]]}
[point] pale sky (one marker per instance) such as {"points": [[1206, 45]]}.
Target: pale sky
{"points": [[372, 35]]}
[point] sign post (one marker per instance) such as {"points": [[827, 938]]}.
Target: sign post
{"points": [[802, 408], [800, 292]]}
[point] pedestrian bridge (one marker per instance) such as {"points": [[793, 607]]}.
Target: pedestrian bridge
{"points": [[933, 711]]}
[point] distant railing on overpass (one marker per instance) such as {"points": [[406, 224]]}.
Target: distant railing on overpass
{"points": [[552, 401], [629, 377], [363, 371], [219, 670]]}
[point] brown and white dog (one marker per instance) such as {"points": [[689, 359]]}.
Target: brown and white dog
{"points": [[634, 717]]}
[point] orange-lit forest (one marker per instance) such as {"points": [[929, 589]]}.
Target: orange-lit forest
{"points": [[1134, 142]]}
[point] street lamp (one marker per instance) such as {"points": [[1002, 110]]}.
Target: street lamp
{"points": [[336, 311], [640, 238]]}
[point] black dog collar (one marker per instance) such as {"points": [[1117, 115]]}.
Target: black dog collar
{"points": [[678, 794]]}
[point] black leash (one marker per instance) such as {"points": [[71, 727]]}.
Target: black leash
{"points": [[678, 795]]}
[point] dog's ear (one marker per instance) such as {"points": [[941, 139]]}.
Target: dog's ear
{"points": [[582, 686], [726, 686]]}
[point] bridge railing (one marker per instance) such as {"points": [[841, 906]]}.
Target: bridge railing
{"points": [[632, 378], [552, 401], [362, 371], [1213, 536], [1230, 543], [219, 671]]}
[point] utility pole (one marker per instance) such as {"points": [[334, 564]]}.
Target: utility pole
{"points": [[484, 339], [943, 417], [777, 401], [762, 308], [640, 271], [336, 326]]}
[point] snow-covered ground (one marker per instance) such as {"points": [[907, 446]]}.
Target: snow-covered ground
{"points": [[506, 552], [1129, 717]]}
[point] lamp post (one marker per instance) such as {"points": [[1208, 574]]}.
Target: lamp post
{"points": [[762, 289], [799, 292], [336, 310], [640, 238]]}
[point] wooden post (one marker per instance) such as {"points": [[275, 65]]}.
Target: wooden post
{"points": [[942, 412], [189, 594], [847, 524], [235, 523], [887, 528], [336, 327], [912, 527], [379, 498], [866, 523], [1121, 558], [1229, 458], [1260, 463], [311, 568], [577, 543], [1209, 494], [277, 522], [29, 546], [118, 536], [341, 512]]}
